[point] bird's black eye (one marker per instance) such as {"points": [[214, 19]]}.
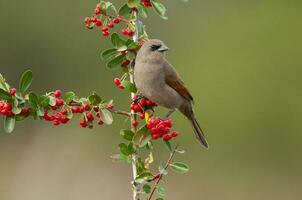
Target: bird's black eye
{"points": [[154, 47]]}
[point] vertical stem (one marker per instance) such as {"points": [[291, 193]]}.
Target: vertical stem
{"points": [[133, 128]]}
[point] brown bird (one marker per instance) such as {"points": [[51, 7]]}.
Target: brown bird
{"points": [[156, 79]]}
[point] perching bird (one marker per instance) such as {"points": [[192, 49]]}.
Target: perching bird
{"points": [[156, 79]]}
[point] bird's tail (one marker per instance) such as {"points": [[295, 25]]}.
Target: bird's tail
{"points": [[198, 132]]}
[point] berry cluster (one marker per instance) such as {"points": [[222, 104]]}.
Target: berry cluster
{"points": [[146, 3], [140, 104], [161, 128], [91, 22], [6, 108], [107, 22], [88, 112]]}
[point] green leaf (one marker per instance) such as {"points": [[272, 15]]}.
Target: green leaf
{"points": [[40, 111], [144, 176], [124, 149], [33, 98], [122, 48], [68, 96], [161, 191], [20, 118], [159, 8], [43, 101], [142, 11], [9, 124], [15, 107], [131, 148], [106, 116], [116, 40], [168, 145], [5, 95], [133, 3], [129, 86], [127, 134], [147, 188], [124, 10], [159, 199], [3, 84], [185, 1], [180, 151], [179, 167], [109, 54], [25, 81], [120, 157], [116, 62], [132, 45], [94, 99], [142, 133]]}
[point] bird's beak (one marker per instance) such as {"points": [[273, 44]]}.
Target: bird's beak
{"points": [[163, 48]]}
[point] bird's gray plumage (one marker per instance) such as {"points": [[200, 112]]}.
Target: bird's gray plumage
{"points": [[156, 79]]}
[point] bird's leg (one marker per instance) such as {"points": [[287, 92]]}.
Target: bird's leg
{"points": [[169, 113]]}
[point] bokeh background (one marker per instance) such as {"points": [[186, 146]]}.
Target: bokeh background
{"points": [[241, 60]]}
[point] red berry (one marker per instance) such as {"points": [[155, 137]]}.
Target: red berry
{"points": [[120, 86], [89, 117], [57, 93], [117, 81], [59, 102], [105, 33], [125, 63], [64, 111], [25, 111], [110, 25], [93, 19], [81, 110], [12, 91], [56, 122], [86, 107], [98, 114], [97, 10], [134, 123], [142, 116], [53, 107], [174, 134], [167, 137], [117, 20], [101, 122], [83, 123], [75, 109], [125, 31], [105, 28], [64, 120], [155, 136], [87, 20], [98, 23]]}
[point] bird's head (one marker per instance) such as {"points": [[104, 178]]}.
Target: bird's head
{"points": [[153, 49]]}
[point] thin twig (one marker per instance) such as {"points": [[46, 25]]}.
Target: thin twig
{"points": [[133, 128], [120, 112], [166, 166]]}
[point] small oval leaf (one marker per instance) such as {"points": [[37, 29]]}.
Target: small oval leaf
{"points": [[25, 81], [179, 167], [9, 124]]}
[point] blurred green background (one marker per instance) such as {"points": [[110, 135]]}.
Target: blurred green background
{"points": [[240, 59]]}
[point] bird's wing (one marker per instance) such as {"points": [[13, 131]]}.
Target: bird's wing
{"points": [[174, 81]]}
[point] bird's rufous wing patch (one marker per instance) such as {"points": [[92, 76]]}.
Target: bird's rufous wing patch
{"points": [[179, 87]]}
